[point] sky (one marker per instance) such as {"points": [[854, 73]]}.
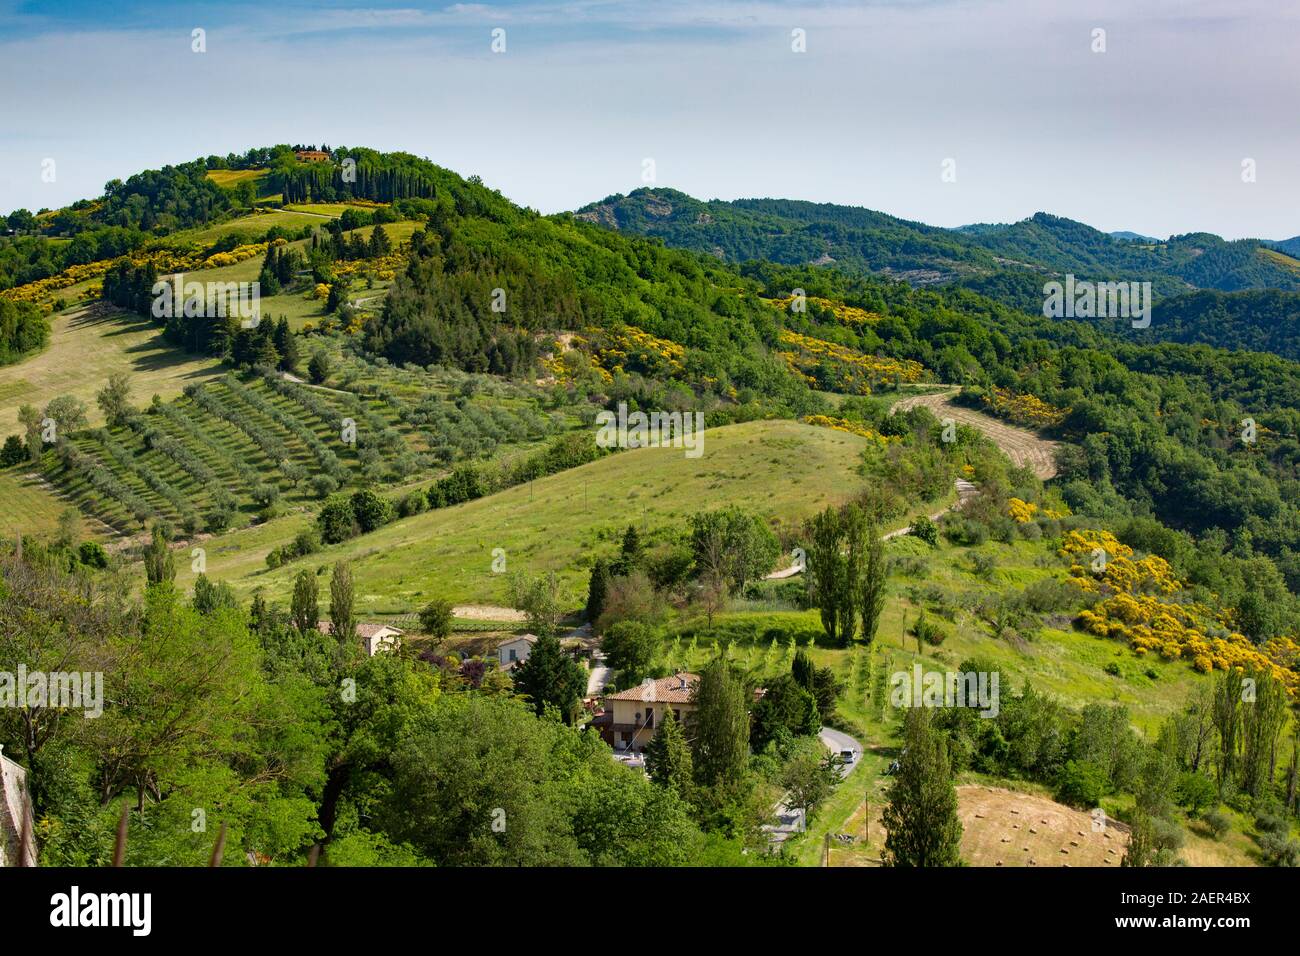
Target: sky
{"points": [[1011, 97]]}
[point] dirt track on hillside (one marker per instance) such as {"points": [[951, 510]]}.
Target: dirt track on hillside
{"points": [[1022, 446]]}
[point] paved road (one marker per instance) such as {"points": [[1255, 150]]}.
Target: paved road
{"points": [[791, 821], [836, 742]]}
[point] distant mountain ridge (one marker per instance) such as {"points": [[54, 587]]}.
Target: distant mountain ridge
{"points": [[987, 256]]}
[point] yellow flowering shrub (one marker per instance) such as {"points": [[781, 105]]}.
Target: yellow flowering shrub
{"points": [[854, 371], [853, 428], [1138, 608], [1021, 511], [1024, 409], [849, 314]]}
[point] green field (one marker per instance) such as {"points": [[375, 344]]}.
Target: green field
{"points": [[231, 177], [559, 523], [28, 508], [86, 346]]}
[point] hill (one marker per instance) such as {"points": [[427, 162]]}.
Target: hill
{"points": [[795, 232], [555, 523]]}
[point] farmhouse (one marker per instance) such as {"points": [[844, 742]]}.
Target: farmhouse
{"points": [[312, 156], [631, 716], [515, 650], [374, 637], [14, 808]]}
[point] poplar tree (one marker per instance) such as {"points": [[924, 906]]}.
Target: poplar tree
{"points": [[343, 622], [827, 572], [1227, 721], [305, 609], [871, 585]]}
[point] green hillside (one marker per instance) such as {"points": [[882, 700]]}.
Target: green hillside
{"points": [[1008, 261], [412, 427]]}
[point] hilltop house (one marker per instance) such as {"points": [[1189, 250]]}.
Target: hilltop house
{"points": [[515, 650], [312, 156], [374, 637], [14, 807], [631, 716]]}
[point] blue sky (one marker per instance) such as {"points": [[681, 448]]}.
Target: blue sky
{"points": [[1148, 136]]}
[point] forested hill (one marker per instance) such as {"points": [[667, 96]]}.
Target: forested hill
{"points": [[612, 315], [794, 232]]}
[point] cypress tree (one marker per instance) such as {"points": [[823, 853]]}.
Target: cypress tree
{"points": [[668, 757], [721, 745], [921, 816], [597, 589], [159, 568]]}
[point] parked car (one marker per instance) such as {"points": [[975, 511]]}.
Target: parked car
{"points": [[847, 756]]}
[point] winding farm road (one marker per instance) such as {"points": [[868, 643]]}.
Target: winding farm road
{"points": [[1021, 445], [965, 491]]}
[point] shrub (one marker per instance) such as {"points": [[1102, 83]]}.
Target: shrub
{"points": [[1003, 529], [927, 631], [336, 520], [925, 529], [371, 509], [1030, 531], [265, 494], [1218, 822], [1112, 669], [14, 452], [436, 618], [318, 369], [983, 565], [1279, 850], [1082, 784], [92, 555], [1195, 791], [307, 542], [963, 531], [1271, 823], [219, 518], [786, 591], [1049, 595], [323, 486]]}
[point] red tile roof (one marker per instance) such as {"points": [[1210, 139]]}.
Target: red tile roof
{"points": [[676, 689]]}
